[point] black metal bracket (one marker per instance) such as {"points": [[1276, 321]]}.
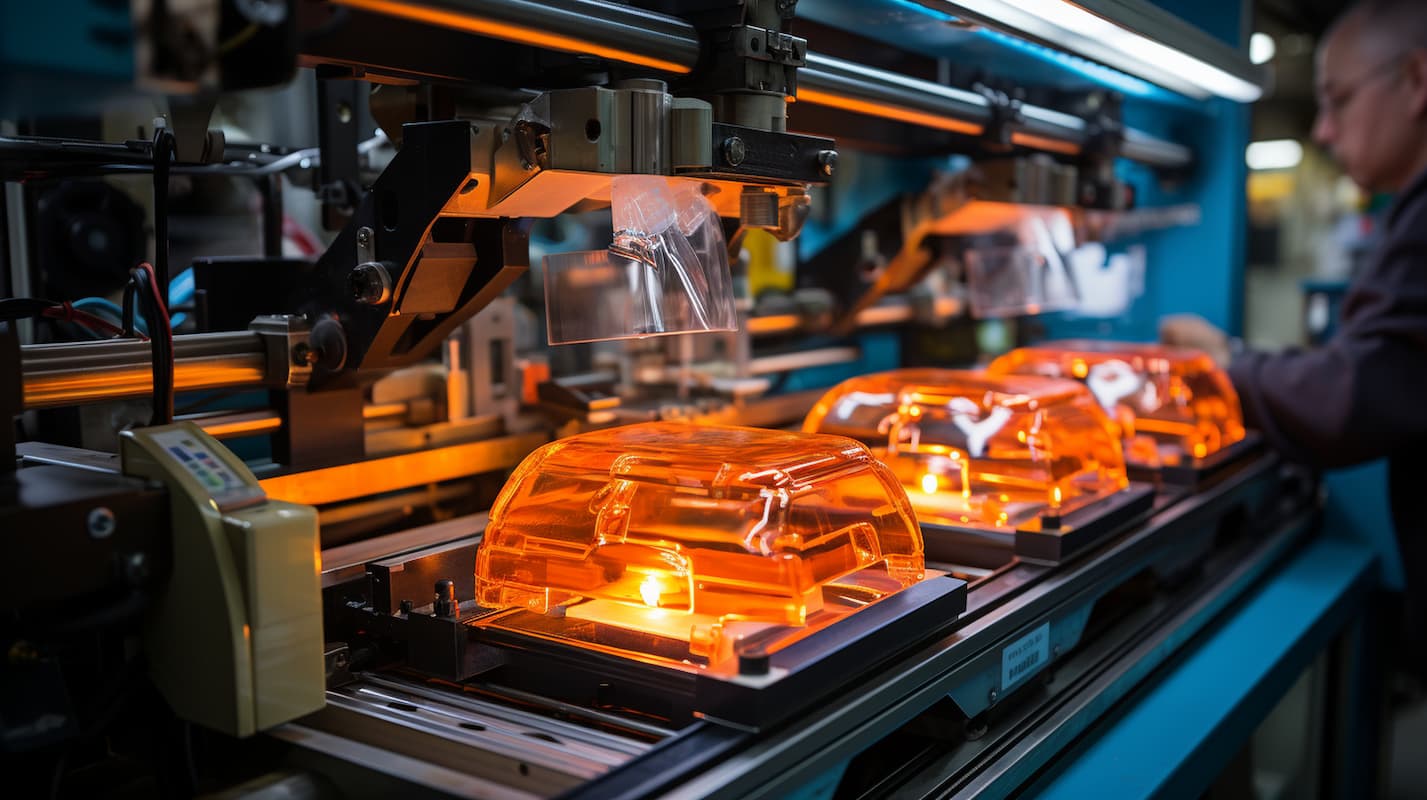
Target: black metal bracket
{"points": [[1005, 114], [404, 273], [338, 185], [1104, 134], [745, 46], [743, 152], [11, 395]]}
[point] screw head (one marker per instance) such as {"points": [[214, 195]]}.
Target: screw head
{"points": [[734, 151], [369, 283], [364, 237], [136, 568], [827, 162], [304, 355], [100, 523], [993, 695]]}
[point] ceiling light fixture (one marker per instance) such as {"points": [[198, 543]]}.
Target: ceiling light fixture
{"points": [[1212, 69]]}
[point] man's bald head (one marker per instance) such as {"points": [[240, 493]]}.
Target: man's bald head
{"points": [[1372, 92], [1385, 25]]}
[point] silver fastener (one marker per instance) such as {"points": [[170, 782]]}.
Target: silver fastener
{"points": [[100, 523]]}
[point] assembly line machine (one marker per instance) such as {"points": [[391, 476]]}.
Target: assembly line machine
{"points": [[335, 520]]}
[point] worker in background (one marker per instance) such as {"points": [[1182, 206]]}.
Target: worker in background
{"points": [[1363, 395]]}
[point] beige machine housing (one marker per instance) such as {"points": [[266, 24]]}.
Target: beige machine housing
{"points": [[235, 640]]}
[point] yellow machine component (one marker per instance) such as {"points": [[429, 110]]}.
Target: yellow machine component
{"points": [[768, 269], [235, 642]]}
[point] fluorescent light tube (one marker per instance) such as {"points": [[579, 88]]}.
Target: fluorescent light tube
{"points": [[1274, 154], [1070, 27]]}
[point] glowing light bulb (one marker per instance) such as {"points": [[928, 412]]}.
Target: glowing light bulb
{"points": [[650, 590], [929, 483]]}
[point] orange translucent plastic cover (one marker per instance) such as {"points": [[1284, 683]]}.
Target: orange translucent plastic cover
{"points": [[1170, 404], [677, 529], [972, 449]]}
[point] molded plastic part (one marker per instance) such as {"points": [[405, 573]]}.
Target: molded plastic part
{"points": [[679, 530], [1169, 404], [976, 450]]}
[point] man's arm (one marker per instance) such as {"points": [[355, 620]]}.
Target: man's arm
{"points": [[1364, 394], [1353, 400]]}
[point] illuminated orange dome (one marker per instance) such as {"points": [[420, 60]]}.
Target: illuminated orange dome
{"points": [[1170, 404], [979, 450], [677, 529]]}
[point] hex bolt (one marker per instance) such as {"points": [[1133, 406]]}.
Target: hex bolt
{"points": [[827, 162], [734, 151], [100, 523], [369, 283]]}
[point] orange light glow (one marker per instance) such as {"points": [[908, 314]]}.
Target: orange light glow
{"points": [[1044, 143], [988, 452], [1170, 404], [888, 111], [509, 32], [680, 530]]}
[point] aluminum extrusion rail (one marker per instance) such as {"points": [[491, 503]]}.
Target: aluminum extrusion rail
{"points": [[68, 374], [611, 30], [671, 45]]}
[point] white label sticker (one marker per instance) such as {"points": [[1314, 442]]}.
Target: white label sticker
{"points": [[1024, 656]]}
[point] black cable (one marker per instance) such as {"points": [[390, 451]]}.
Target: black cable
{"points": [[160, 341], [13, 308], [126, 320], [163, 158]]}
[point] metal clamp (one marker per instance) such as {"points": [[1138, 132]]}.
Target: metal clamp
{"points": [[290, 355], [1005, 109]]}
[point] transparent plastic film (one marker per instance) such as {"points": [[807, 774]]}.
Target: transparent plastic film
{"points": [[1023, 269], [666, 269]]}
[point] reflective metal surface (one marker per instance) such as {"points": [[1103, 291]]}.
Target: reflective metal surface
{"points": [[375, 476], [67, 374], [609, 30]]}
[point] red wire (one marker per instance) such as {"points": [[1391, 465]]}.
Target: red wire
{"points": [[161, 327], [162, 306], [68, 313]]}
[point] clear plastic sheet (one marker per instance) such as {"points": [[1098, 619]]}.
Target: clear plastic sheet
{"points": [[1027, 277], [666, 270]]}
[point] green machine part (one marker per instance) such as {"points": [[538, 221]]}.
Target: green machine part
{"points": [[235, 642]]}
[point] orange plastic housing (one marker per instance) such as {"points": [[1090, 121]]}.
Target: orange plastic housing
{"points": [[989, 452], [679, 530], [1170, 404]]}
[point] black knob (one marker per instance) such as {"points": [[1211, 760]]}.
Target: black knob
{"points": [[445, 605], [753, 661]]}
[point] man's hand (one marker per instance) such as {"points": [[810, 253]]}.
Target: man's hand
{"points": [[1192, 330]]}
